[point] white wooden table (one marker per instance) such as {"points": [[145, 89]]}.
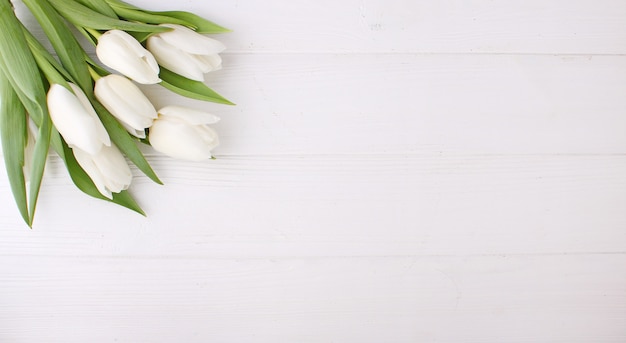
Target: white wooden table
{"points": [[395, 171]]}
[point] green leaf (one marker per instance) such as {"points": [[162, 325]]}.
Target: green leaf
{"points": [[13, 132], [141, 36], [190, 88], [20, 68], [96, 67], [83, 16], [191, 20], [99, 6], [65, 44], [56, 142], [84, 183], [147, 17], [119, 3], [124, 141], [55, 73], [18, 63], [87, 35], [40, 155], [33, 108], [123, 198], [200, 24]]}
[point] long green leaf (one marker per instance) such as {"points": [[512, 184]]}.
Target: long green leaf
{"points": [[148, 17], [96, 67], [124, 141], [200, 24], [34, 109], [41, 148], [81, 15], [190, 88], [196, 22], [119, 3], [99, 6], [87, 35], [141, 36], [20, 68], [56, 143], [13, 132], [18, 63], [65, 44], [40, 155], [46, 132], [54, 72]]}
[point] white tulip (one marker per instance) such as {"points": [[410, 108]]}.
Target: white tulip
{"points": [[126, 102], [107, 169], [184, 133], [186, 52], [120, 51], [75, 119]]}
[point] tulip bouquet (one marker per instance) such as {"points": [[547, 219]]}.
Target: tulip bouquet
{"points": [[94, 116]]}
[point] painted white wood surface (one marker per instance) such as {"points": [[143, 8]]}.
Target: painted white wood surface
{"points": [[395, 171]]}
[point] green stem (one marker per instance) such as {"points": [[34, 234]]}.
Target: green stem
{"points": [[97, 34], [94, 74]]}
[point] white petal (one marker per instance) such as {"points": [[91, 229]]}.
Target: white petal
{"points": [[189, 115], [133, 131], [125, 101], [120, 51], [86, 162], [209, 136], [133, 45], [108, 169], [113, 167], [179, 140], [190, 41], [174, 59], [208, 63], [74, 122], [101, 132]]}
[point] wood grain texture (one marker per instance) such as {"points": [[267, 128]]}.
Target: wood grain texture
{"points": [[424, 26], [389, 205], [413, 26], [413, 103], [412, 299], [394, 171]]}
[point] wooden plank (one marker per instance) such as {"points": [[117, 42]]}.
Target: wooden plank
{"points": [[345, 104], [327, 104], [417, 26], [361, 205], [576, 298]]}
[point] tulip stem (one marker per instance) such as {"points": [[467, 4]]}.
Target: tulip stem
{"points": [[95, 33], [94, 74]]}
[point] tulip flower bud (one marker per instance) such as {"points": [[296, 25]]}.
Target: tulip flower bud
{"points": [[126, 102], [120, 51], [107, 169], [76, 120], [184, 133], [186, 52]]}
